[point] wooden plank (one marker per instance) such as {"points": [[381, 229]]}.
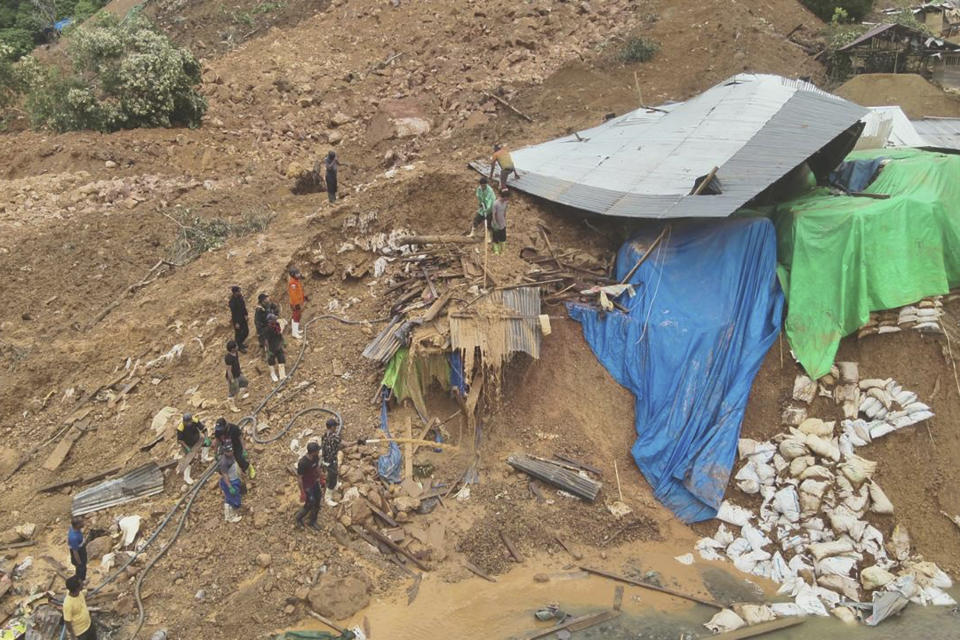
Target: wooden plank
{"points": [[477, 570], [126, 389], [579, 464], [408, 450], [395, 547], [511, 547], [570, 550], [644, 585], [414, 589], [577, 624], [327, 621], [62, 450], [380, 514], [755, 630], [618, 598], [18, 545]]}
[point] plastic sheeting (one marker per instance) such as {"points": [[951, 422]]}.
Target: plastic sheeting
{"points": [[707, 310], [842, 257]]}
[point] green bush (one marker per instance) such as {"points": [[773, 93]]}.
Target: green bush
{"points": [[19, 42], [638, 49], [125, 75], [825, 9]]}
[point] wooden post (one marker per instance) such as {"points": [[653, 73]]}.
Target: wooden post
{"points": [[408, 452], [486, 241]]}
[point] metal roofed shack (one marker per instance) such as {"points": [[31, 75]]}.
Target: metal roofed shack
{"points": [[745, 133]]}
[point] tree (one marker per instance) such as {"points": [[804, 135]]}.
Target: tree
{"points": [[825, 9], [46, 11]]}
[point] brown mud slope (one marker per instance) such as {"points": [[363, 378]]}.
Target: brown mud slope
{"points": [[917, 466], [917, 97]]}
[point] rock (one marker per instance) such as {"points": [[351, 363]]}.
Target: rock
{"points": [[411, 127], [289, 609], [541, 577], [874, 577], [264, 560], [200, 595], [26, 530], [99, 547], [302, 593], [334, 137], [164, 418], [406, 503], [339, 119], [261, 519], [110, 164], [340, 534], [339, 598]]}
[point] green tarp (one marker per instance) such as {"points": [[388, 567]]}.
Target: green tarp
{"points": [[410, 377], [842, 257]]}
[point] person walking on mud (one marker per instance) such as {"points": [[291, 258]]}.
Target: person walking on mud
{"points": [[230, 484], [297, 299], [499, 222], [485, 199], [226, 433], [235, 378], [191, 433], [332, 165], [503, 159], [265, 306], [330, 452], [238, 317], [276, 359], [311, 492]]}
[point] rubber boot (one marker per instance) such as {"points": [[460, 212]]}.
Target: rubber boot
{"points": [[301, 514], [330, 502], [226, 512], [186, 475], [234, 514], [283, 371], [205, 454], [232, 405], [295, 330], [273, 373]]}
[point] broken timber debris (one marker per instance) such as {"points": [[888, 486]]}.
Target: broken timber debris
{"points": [[760, 629], [638, 583], [577, 624], [146, 480], [558, 476]]}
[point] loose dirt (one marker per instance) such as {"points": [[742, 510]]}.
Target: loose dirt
{"points": [[916, 96]]}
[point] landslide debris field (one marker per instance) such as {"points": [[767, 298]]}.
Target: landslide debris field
{"points": [[96, 284]]}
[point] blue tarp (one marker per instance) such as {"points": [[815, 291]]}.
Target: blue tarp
{"points": [[707, 309]]}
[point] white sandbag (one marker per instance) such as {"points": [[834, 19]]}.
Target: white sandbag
{"points": [[754, 613], [857, 502], [725, 620], [787, 610], [817, 427], [816, 472], [779, 569], [928, 573], [799, 464], [857, 470], [842, 521], [879, 502], [766, 473], [822, 550], [902, 396], [733, 514], [849, 372], [780, 463], [844, 585], [804, 389], [787, 503], [870, 406], [762, 569], [882, 396], [808, 599], [724, 535], [828, 597], [938, 597], [755, 537], [798, 564], [875, 578], [747, 479], [748, 561], [860, 429], [686, 559], [129, 526], [814, 487], [880, 428], [844, 614], [846, 447], [873, 382], [792, 448], [836, 566], [707, 550], [844, 488], [823, 447], [814, 524], [738, 547], [898, 546], [746, 446], [792, 416]]}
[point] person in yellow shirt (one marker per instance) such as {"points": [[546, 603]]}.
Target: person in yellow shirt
{"points": [[75, 612], [502, 157]]}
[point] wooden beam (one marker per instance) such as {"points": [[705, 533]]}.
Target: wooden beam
{"points": [[511, 547], [509, 106], [568, 549], [408, 450], [437, 239], [84, 480], [577, 624], [644, 585], [478, 571], [327, 621], [646, 254], [755, 630], [395, 547]]}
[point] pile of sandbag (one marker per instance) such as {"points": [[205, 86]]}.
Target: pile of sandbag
{"points": [[810, 533], [923, 316]]}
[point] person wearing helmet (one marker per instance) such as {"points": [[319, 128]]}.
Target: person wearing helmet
{"points": [[332, 166], [276, 359], [230, 484], [226, 433], [310, 480], [265, 306], [190, 434], [330, 455], [297, 298], [235, 378]]}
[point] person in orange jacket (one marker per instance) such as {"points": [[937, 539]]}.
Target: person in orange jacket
{"points": [[297, 298]]}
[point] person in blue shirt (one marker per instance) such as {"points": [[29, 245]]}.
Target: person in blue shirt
{"points": [[78, 548]]}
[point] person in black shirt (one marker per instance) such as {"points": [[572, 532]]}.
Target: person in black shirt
{"points": [[265, 306], [332, 165], [330, 449], [238, 317], [191, 433], [275, 356], [235, 379], [226, 432], [311, 490]]}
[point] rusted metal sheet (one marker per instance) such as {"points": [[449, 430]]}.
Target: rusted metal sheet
{"points": [[500, 324]]}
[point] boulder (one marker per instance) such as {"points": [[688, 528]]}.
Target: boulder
{"points": [[339, 598], [264, 560], [26, 530], [99, 547]]}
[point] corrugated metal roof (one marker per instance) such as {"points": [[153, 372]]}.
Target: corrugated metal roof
{"points": [[929, 42], [146, 480], [508, 317], [755, 128], [888, 127], [943, 133]]}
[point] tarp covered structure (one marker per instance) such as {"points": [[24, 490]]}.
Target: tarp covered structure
{"points": [[754, 129], [707, 308], [843, 257]]}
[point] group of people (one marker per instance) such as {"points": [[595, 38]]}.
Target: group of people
{"points": [[492, 207]]}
